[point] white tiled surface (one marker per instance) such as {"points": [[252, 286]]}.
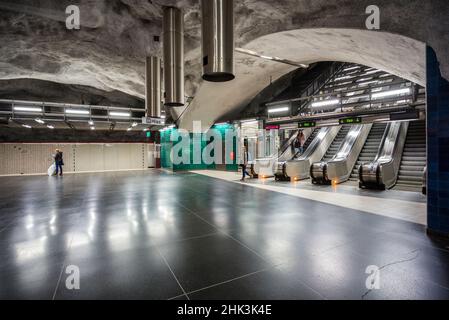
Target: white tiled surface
{"points": [[398, 209]]}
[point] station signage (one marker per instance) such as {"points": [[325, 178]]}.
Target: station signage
{"points": [[353, 120], [308, 124], [272, 127], [153, 121]]}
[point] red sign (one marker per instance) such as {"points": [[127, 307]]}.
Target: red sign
{"points": [[272, 127]]}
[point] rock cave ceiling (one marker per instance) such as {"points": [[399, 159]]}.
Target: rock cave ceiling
{"points": [[104, 61]]}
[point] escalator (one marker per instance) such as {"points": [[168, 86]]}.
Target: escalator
{"points": [[280, 174], [370, 149], [336, 144], [414, 158], [265, 167], [337, 165]]}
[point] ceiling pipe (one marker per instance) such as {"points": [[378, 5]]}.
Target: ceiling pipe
{"points": [[153, 87], [173, 37], [218, 40]]}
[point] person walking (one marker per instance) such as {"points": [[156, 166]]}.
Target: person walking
{"points": [[244, 164], [59, 162]]}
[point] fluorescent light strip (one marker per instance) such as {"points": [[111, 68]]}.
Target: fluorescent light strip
{"points": [[50, 127], [28, 109], [351, 68], [120, 114], [26, 126], [390, 93], [325, 103], [278, 110], [39, 121], [77, 111]]}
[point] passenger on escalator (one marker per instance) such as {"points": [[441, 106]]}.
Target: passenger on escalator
{"points": [[299, 143]]}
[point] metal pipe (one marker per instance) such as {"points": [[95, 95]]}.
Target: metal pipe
{"points": [[218, 40], [153, 87], [173, 35]]}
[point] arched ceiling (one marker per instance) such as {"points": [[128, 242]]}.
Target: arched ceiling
{"points": [[108, 53], [392, 53]]}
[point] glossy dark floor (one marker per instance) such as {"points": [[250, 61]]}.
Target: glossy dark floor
{"points": [[152, 235]]}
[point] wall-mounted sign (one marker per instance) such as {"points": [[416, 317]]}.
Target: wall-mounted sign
{"points": [[153, 121], [272, 127], [307, 124], [353, 120], [406, 115]]}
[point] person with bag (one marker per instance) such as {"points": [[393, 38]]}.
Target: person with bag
{"points": [[59, 162]]}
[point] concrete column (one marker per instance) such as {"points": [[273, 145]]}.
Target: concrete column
{"points": [[437, 148]]}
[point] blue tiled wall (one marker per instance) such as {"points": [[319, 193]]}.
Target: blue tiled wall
{"points": [[438, 146]]}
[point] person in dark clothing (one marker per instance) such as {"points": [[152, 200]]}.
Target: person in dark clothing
{"points": [[299, 143], [244, 164], [59, 162]]}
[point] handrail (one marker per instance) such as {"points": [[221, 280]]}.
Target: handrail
{"points": [[339, 168], [382, 172]]}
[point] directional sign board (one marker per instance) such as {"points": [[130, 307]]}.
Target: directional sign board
{"points": [[153, 121]]}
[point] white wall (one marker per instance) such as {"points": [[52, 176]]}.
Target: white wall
{"points": [[20, 158]]}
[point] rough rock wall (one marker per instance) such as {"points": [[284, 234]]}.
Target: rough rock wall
{"points": [[108, 52]]}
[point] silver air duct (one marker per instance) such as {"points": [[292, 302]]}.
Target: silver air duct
{"points": [[173, 57], [218, 40], [153, 87]]}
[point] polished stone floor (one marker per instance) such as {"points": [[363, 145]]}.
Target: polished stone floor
{"points": [[155, 235]]}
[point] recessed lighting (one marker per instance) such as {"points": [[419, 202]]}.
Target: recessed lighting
{"points": [[77, 111], [120, 114], [28, 109]]}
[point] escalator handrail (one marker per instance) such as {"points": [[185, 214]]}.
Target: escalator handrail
{"points": [[314, 144], [347, 140]]}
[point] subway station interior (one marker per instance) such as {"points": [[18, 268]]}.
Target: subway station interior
{"points": [[127, 127]]}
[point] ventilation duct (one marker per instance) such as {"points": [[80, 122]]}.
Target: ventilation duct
{"points": [[218, 40], [153, 87], [173, 30]]}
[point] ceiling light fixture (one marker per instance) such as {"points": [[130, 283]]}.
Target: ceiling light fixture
{"points": [[280, 60], [28, 109], [26, 126], [120, 114], [390, 93], [77, 111], [278, 110], [325, 103], [39, 121], [50, 127]]}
